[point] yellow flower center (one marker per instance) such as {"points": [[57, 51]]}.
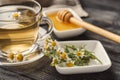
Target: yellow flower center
{"points": [[15, 15], [78, 53], [69, 64], [19, 57], [54, 43], [11, 56], [63, 56]]}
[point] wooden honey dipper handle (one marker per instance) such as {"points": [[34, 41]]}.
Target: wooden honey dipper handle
{"points": [[66, 16]]}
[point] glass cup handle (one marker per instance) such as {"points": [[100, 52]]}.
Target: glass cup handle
{"points": [[47, 25]]}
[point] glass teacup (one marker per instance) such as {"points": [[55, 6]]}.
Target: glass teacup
{"points": [[20, 33]]}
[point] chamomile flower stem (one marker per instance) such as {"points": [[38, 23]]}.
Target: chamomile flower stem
{"points": [[68, 56]]}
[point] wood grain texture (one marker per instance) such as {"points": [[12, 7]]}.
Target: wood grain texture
{"points": [[103, 13]]}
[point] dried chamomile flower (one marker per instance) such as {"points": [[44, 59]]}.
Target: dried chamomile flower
{"points": [[19, 57], [54, 43], [69, 56], [64, 56], [10, 56], [69, 64]]}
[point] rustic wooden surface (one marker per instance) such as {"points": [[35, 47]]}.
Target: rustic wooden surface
{"points": [[103, 13]]}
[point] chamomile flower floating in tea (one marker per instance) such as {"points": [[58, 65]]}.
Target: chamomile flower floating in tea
{"points": [[69, 56], [15, 15]]}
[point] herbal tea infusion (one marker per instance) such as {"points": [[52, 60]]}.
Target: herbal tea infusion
{"points": [[20, 32], [18, 25]]}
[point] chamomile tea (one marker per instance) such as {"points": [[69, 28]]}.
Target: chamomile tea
{"points": [[18, 26]]}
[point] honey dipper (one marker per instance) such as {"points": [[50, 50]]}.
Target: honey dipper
{"points": [[66, 16]]}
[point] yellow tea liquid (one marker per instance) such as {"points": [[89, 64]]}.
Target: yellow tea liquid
{"points": [[18, 27]]}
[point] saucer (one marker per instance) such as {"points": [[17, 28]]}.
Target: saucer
{"points": [[31, 60]]}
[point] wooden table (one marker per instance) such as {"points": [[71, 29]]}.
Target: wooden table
{"points": [[104, 13]]}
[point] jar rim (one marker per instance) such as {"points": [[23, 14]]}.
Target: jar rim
{"points": [[36, 13]]}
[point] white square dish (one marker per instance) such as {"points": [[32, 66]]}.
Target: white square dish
{"points": [[99, 52], [65, 33]]}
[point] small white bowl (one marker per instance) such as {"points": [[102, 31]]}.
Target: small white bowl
{"points": [[99, 52], [65, 33]]}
